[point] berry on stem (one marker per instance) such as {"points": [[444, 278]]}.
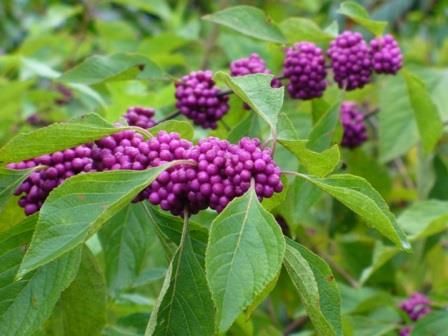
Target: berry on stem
{"points": [[386, 55], [304, 66], [416, 306], [354, 128], [350, 61], [252, 65], [140, 116], [199, 99]]}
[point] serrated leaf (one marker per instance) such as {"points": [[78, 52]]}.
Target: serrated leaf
{"points": [[319, 164], [358, 195], [26, 304], [127, 240], [316, 287], [424, 218], [77, 208], [426, 114], [56, 137], [244, 254], [9, 181], [81, 309], [300, 29], [249, 21], [360, 15], [256, 91], [122, 66], [184, 306], [184, 128]]}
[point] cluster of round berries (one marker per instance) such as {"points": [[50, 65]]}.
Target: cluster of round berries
{"points": [[199, 99], [140, 116], [218, 172], [416, 307], [56, 168], [354, 128]]}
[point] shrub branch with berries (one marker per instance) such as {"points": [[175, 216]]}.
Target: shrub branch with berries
{"points": [[229, 190]]}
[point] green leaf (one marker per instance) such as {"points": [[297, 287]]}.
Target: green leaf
{"points": [[123, 66], [435, 323], [9, 181], [360, 15], [78, 208], [316, 286], [158, 7], [244, 254], [397, 129], [256, 91], [425, 218], [249, 21], [184, 306], [324, 130], [381, 254], [169, 230], [127, 243], [56, 137], [26, 304], [184, 128], [300, 29], [426, 114], [319, 164], [358, 195], [81, 310]]}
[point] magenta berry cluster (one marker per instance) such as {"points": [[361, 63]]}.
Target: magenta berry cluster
{"points": [[214, 171], [199, 99], [416, 306], [405, 331], [354, 128], [350, 61], [253, 64], [56, 168], [386, 55], [140, 116], [304, 66]]}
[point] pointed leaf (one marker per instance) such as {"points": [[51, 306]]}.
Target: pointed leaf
{"points": [[319, 164], [358, 195], [426, 114], [256, 91], [244, 254], [100, 69], [184, 306], [26, 304], [81, 310], [77, 209], [249, 21], [56, 137], [360, 15], [316, 286]]}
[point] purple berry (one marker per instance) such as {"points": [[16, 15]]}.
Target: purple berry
{"points": [[252, 65], [352, 120], [350, 61], [405, 331], [59, 167], [199, 99], [416, 306], [386, 55], [304, 66], [140, 116]]}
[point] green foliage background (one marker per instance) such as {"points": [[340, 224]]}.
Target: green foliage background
{"points": [[114, 283]]}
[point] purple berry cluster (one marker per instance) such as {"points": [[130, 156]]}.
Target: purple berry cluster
{"points": [[386, 55], [253, 64], [405, 331], [354, 128], [198, 98], [140, 116], [416, 306], [57, 167], [350, 61], [304, 66]]}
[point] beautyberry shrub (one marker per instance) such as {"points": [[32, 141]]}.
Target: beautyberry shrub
{"points": [[386, 55]]}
